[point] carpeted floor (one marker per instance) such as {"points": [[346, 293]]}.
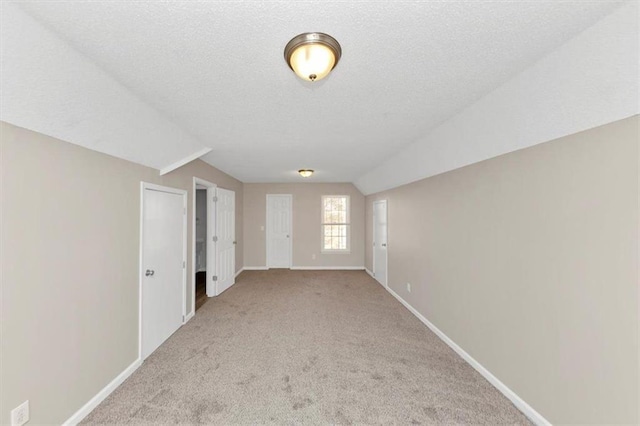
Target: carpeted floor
{"points": [[305, 347]]}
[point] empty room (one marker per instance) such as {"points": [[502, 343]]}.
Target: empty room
{"points": [[319, 212]]}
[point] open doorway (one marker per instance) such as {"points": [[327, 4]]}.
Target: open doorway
{"points": [[203, 246]]}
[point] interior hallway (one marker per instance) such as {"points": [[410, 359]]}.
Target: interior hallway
{"points": [[309, 347], [201, 289]]}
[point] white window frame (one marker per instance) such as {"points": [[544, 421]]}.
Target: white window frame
{"points": [[348, 225]]}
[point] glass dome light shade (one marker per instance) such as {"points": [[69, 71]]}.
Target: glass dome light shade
{"points": [[312, 62], [312, 56]]}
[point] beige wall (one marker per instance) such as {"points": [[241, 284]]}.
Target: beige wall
{"points": [[529, 262], [70, 244], [306, 223]]}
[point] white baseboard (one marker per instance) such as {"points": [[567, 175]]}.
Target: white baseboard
{"points": [[369, 272], [239, 272], [327, 268], [79, 415], [309, 268], [520, 404], [188, 317]]}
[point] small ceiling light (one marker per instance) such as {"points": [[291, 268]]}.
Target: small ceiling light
{"points": [[305, 172], [312, 55]]}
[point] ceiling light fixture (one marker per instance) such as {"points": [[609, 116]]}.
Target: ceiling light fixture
{"points": [[312, 56], [305, 172]]}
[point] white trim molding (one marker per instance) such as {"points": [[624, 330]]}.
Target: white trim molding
{"points": [[188, 317], [327, 268], [520, 404], [79, 415], [198, 181], [239, 272], [185, 160], [371, 273], [255, 268]]}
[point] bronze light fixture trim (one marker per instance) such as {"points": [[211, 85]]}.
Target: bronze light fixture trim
{"points": [[312, 56]]}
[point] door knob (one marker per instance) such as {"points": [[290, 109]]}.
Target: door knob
{"points": [[384, 245], [149, 273], [287, 236], [234, 242]]}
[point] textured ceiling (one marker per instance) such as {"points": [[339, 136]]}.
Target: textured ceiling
{"points": [[215, 70]]}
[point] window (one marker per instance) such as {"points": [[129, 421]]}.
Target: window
{"points": [[335, 223]]}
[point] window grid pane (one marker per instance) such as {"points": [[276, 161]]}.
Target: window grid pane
{"points": [[335, 237], [335, 222]]}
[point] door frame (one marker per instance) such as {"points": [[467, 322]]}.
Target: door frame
{"points": [[290, 196], [209, 185], [386, 266], [154, 187]]}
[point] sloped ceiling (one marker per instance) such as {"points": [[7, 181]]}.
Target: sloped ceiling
{"points": [[155, 82]]}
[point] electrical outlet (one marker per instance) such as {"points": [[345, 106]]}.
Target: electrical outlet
{"points": [[313, 256], [409, 287], [20, 414]]}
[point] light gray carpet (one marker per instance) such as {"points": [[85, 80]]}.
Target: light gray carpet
{"points": [[305, 347]]}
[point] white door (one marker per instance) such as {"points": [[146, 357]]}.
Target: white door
{"points": [[380, 241], [211, 252], [279, 231], [226, 239], [163, 261]]}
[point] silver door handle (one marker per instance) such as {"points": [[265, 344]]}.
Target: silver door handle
{"points": [[287, 236], [149, 273], [384, 245], [234, 242]]}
